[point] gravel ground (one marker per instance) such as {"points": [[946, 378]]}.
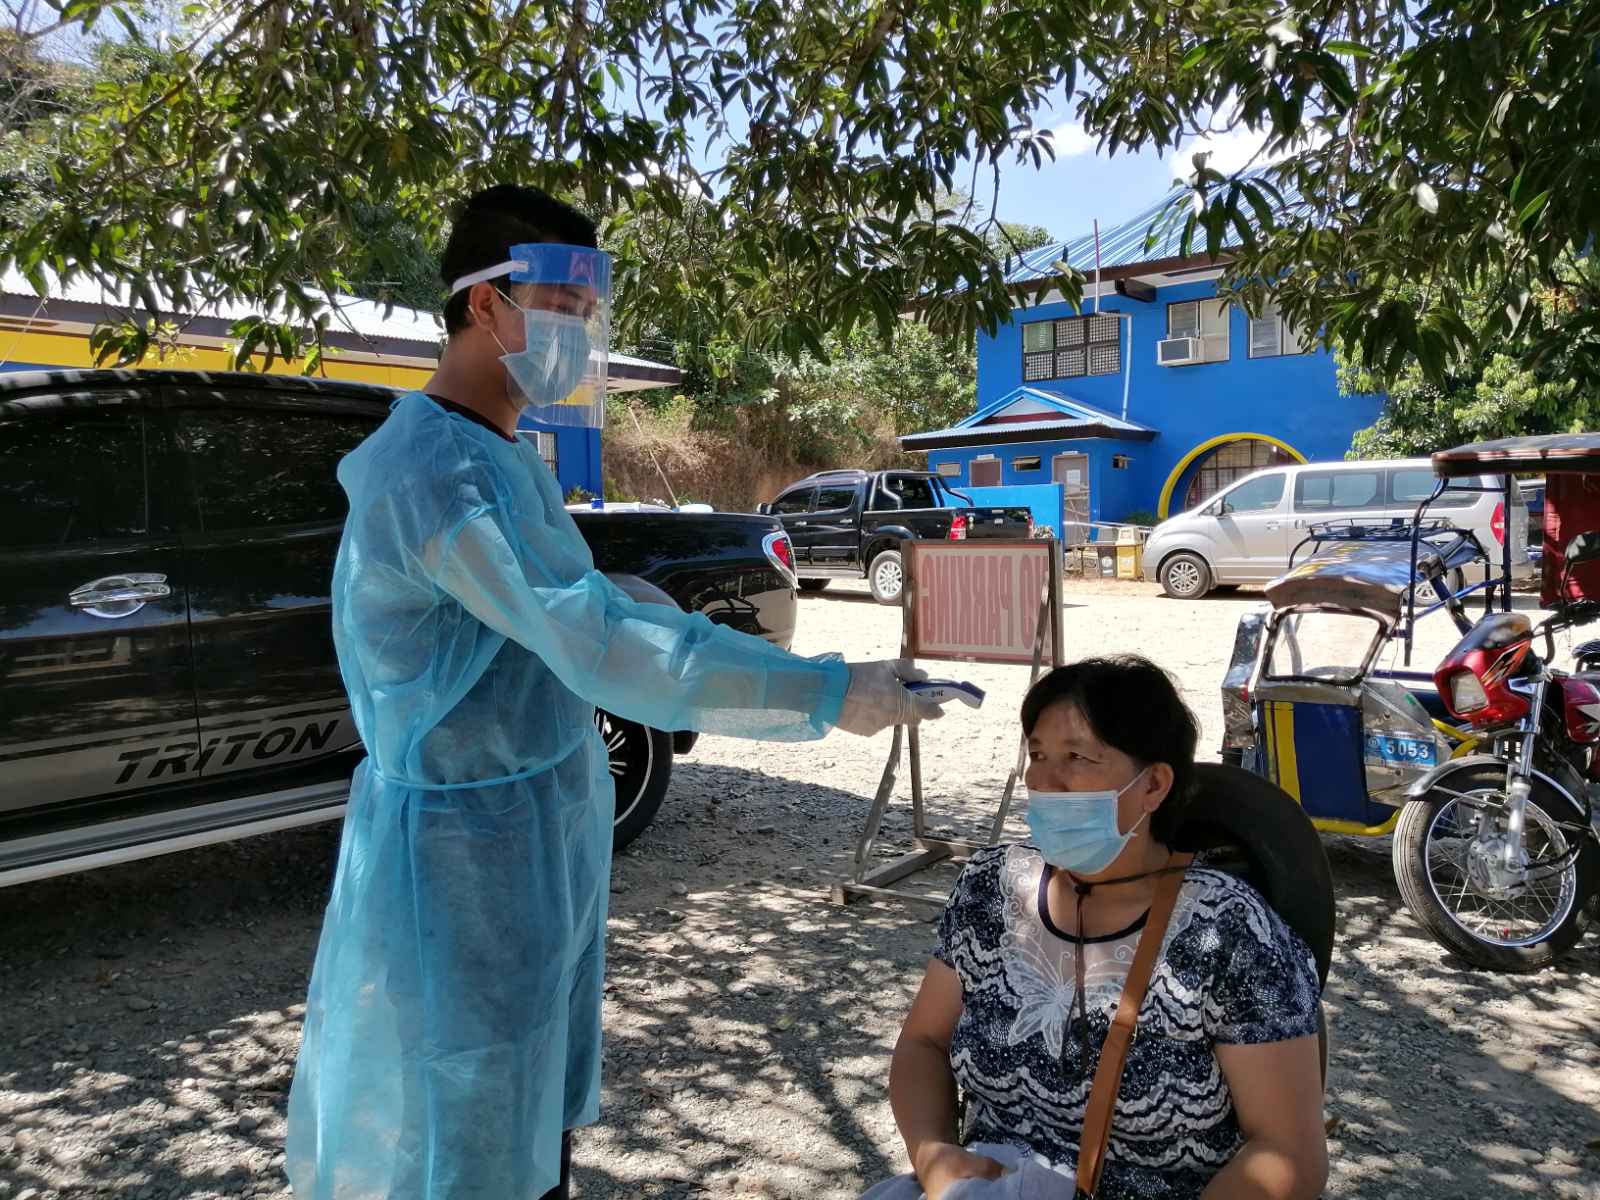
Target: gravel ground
{"points": [[150, 1014]]}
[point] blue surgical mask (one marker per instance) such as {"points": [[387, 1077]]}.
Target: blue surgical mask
{"points": [[553, 359], [1077, 831]]}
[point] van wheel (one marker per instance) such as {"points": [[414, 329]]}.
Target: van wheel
{"points": [[1456, 580], [814, 585], [1185, 576], [886, 577], [641, 768]]}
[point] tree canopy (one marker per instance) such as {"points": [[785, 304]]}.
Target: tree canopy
{"points": [[1446, 145], [1487, 395]]}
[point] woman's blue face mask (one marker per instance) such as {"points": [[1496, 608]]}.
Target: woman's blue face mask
{"points": [[553, 358], [1077, 831]]}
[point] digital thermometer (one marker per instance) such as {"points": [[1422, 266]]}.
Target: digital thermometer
{"points": [[941, 691]]}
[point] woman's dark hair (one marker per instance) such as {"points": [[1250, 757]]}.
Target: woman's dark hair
{"points": [[1132, 705], [493, 221]]}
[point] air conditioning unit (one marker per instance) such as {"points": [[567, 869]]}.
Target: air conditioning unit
{"points": [[1180, 351]]}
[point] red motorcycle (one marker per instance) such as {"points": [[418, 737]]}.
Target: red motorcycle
{"points": [[1497, 851]]}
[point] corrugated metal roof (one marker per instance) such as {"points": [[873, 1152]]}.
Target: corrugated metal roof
{"points": [[1027, 431], [1124, 245], [349, 314], [1066, 405], [1077, 419]]}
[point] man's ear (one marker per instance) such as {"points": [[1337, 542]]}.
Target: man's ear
{"points": [[481, 298]]}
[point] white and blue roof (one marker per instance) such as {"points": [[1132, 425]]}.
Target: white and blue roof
{"points": [[1030, 414], [1145, 238]]}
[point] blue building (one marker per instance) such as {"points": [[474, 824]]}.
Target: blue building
{"points": [[1151, 399]]}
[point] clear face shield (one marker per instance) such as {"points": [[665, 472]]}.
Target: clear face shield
{"points": [[564, 296]]}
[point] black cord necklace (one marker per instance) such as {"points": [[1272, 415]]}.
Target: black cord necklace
{"points": [[1078, 1017]]}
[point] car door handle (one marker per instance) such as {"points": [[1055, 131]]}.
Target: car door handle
{"points": [[799, 524], [113, 596], [1273, 525]]}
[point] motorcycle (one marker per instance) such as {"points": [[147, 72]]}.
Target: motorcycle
{"points": [[1497, 852]]}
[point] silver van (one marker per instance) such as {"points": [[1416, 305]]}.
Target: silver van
{"points": [[1246, 533]]}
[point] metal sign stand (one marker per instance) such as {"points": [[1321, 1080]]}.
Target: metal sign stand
{"points": [[931, 850]]}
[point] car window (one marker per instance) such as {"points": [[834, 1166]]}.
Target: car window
{"points": [[71, 476], [911, 490], [1253, 495], [1328, 490], [885, 498], [1412, 485], [795, 500], [832, 499], [263, 467]]}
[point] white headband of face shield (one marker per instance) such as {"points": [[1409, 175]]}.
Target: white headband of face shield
{"points": [[484, 276]]}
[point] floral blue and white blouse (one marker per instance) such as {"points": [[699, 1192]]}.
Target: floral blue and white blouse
{"points": [[1230, 972]]}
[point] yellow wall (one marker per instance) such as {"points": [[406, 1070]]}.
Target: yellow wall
{"points": [[72, 350]]}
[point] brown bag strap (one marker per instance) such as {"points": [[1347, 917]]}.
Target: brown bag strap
{"points": [[1108, 1075]]}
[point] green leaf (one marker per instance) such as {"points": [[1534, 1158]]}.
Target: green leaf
{"points": [[1533, 208]]}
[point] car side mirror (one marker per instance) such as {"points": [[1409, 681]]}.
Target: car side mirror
{"points": [[1585, 547], [764, 509]]}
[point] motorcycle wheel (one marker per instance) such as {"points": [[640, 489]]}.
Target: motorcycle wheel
{"points": [[1524, 931]]}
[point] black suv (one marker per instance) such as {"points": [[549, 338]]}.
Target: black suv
{"points": [[167, 672]]}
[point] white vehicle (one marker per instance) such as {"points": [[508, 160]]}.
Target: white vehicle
{"points": [[1247, 533]]}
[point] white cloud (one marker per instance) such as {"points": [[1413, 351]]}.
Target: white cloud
{"points": [[686, 182], [1073, 141], [1232, 149]]}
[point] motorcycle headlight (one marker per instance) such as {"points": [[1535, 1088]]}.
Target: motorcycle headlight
{"points": [[1466, 693]]}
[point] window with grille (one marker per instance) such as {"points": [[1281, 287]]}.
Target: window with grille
{"points": [[1071, 346], [1272, 337], [1228, 464], [1203, 319], [546, 442]]}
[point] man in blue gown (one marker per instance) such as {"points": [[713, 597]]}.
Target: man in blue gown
{"points": [[452, 1030]]}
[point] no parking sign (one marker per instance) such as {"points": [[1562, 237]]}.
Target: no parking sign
{"points": [[969, 602], [980, 601]]}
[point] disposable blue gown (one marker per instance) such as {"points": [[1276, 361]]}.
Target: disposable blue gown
{"points": [[452, 1029]]}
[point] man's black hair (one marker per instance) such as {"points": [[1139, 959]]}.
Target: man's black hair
{"points": [[1130, 704], [492, 222]]}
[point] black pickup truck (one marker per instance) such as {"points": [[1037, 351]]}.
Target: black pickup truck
{"points": [[167, 672], [850, 524]]}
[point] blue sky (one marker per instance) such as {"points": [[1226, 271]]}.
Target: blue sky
{"points": [[1082, 185]]}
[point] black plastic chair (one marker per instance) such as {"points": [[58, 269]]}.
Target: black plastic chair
{"points": [[1249, 827]]}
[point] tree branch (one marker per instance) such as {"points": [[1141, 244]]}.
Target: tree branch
{"points": [[240, 26], [566, 73], [888, 17]]}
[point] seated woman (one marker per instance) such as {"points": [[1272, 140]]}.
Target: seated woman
{"points": [[1221, 1093]]}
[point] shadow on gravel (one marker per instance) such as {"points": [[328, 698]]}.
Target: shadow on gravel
{"points": [[749, 1022], [1462, 1081], [150, 1014], [149, 1018]]}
